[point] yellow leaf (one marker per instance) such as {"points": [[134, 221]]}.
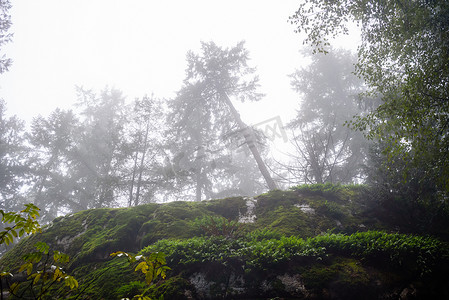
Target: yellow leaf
{"points": [[13, 288], [57, 274], [142, 266], [30, 268], [36, 278], [71, 282], [149, 277]]}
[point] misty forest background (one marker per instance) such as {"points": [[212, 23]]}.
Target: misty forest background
{"points": [[378, 117]]}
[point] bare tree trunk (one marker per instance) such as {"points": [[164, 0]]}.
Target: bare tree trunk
{"points": [[133, 179], [247, 133], [198, 171], [142, 162]]}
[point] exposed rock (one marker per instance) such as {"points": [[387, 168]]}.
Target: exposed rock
{"points": [[250, 215], [408, 293], [305, 208], [88, 237], [202, 286], [66, 241], [293, 284]]}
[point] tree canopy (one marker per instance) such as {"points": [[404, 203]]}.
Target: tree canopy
{"points": [[327, 151], [404, 59], [202, 115], [5, 36]]}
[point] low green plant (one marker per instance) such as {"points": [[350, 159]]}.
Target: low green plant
{"points": [[263, 234], [418, 254], [219, 226]]}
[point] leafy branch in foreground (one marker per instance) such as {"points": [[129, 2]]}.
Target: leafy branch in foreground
{"points": [[24, 223], [41, 275], [152, 267], [47, 273]]}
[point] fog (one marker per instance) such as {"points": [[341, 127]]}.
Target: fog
{"points": [[130, 104], [249, 149], [139, 48]]}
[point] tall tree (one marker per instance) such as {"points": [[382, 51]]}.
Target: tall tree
{"points": [[327, 150], [13, 158], [196, 124], [404, 59], [98, 157], [203, 112], [100, 149], [54, 140], [13, 152], [5, 37], [145, 130]]}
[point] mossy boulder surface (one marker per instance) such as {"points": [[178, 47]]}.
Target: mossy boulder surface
{"points": [[310, 242]]}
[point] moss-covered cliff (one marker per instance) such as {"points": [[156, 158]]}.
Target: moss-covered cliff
{"points": [[311, 242]]}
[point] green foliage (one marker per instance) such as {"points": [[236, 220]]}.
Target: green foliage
{"points": [[152, 267], [42, 275], [277, 242], [409, 199], [416, 253], [324, 149], [14, 169], [24, 223], [202, 115], [263, 234], [5, 37], [45, 274], [263, 249], [403, 58]]}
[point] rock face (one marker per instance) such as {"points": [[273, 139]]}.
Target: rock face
{"points": [[90, 236]]}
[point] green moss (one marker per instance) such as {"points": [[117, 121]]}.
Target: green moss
{"points": [[269, 201], [338, 274], [110, 231], [286, 220], [105, 280], [90, 236], [229, 208], [172, 220], [156, 230], [333, 210], [335, 192], [174, 288], [131, 289]]}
